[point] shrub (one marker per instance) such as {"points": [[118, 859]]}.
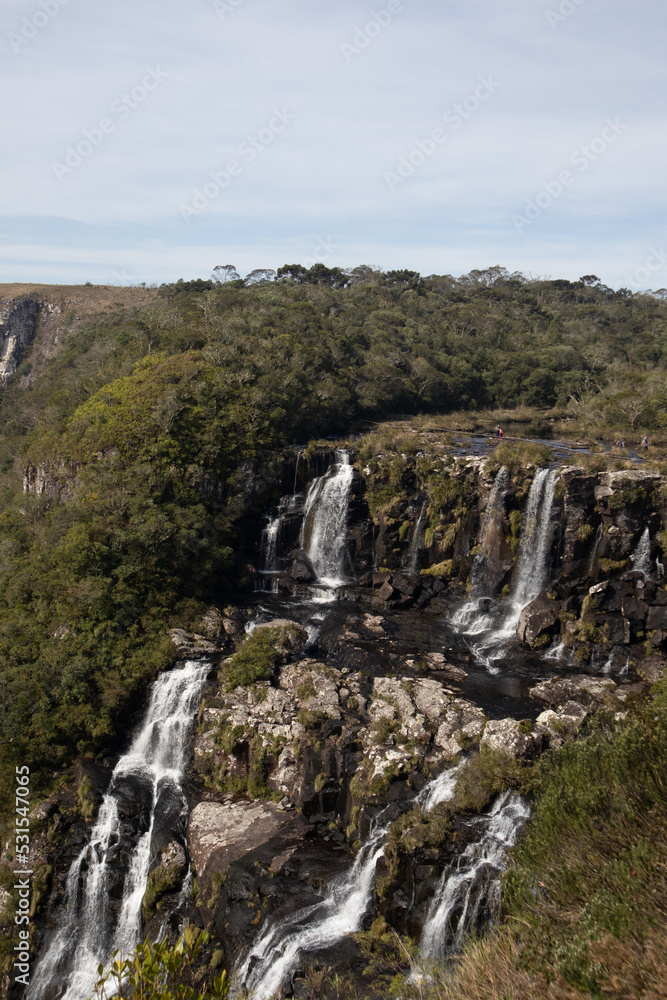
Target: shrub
{"points": [[254, 661], [162, 971]]}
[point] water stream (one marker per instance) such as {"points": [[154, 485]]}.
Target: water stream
{"points": [[469, 890], [92, 927], [276, 953], [490, 633], [641, 557], [325, 522]]}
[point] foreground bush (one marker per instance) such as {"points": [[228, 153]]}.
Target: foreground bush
{"points": [[163, 972]]}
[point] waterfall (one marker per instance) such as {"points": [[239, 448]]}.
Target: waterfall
{"points": [[325, 522], [594, 550], [277, 952], [270, 545], [530, 573], [532, 564], [472, 883], [641, 557], [91, 929], [276, 537], [416, 542]]}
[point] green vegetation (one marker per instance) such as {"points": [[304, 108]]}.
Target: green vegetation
{"points": [[164, 972], [142, 425], [585, 894], [161, 881], [255, 660]]}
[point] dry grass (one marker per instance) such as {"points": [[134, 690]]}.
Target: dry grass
{"points": [[490, 970], [87, 300]]}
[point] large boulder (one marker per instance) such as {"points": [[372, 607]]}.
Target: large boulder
{"points": [[652, 668], [657, 618], [537, 617], [461, 727], [517, 739], [431, 698], [578, 502], [312, 686], [289, 637], [221, 833], [556, 727], [392, 702], [191, 646], [589, 692]]}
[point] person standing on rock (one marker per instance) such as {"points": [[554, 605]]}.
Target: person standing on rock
{"points": [[500, 433], [645, 443]]}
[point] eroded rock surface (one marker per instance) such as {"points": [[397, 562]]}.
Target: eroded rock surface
{"points": [[220, 833]]}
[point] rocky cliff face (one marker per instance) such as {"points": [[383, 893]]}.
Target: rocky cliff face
{"points": [[18, 324]]}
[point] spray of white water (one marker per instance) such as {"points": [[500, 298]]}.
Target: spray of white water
{"points": [[641, 557], [90, 929], [325, 522], [529, 574], [472, 883], [276, 953]]}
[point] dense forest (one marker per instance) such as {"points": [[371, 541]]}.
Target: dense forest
{"points": [[150, 414]]}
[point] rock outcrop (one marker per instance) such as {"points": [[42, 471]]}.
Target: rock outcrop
{"points": [[537, 618], [18, 324], [222, 833]]}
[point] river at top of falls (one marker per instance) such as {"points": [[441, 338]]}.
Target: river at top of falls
{"points": [[469, 889], [276, 953], [488, 635], [325, 522], [91, 929]]}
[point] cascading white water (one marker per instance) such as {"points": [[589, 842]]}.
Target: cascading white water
{"points": [[91, 930], [270, 544], [559, 653], [276, 953], [473, 882], [641, 557], [441, 789], [529, 573], [325, 522], [273, 539], [295, 489], [531, 568], [417, 541]]}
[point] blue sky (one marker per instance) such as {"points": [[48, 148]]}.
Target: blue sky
{"points": [[147, 141]]}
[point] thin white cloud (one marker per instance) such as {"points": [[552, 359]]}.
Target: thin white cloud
{"points": [[356, 116]]}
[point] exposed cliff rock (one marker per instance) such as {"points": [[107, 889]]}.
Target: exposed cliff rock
{"points": [[18, 323]]}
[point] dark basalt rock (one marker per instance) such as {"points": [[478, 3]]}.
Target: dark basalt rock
{"points": [[536, 618]]}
